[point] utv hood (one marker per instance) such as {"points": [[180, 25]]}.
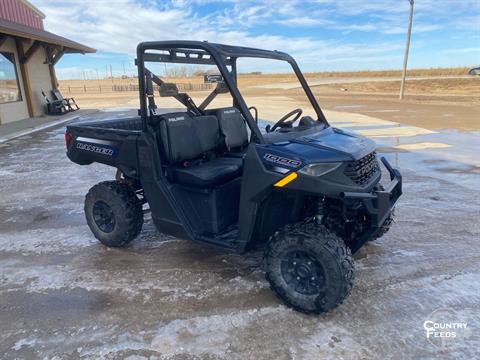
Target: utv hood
{"points": [[326, 145], [339, 141]]}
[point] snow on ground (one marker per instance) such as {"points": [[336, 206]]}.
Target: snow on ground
{"points": [[63, 295]]}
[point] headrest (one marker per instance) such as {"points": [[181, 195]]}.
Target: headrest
{"points": [[168, 89]]}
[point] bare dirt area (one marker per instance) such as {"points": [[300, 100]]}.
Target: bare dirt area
{"points": [[466, 87], [431, 112], [64, 295], [434, 99]]}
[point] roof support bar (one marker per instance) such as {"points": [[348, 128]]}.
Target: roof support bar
{"points": [[53, 54], [185, 59], [31, 50], [221, 88], [58, 56], [3, 38], [184, 99]]}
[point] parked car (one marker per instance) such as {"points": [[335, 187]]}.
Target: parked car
{"points": [[474, 71]]}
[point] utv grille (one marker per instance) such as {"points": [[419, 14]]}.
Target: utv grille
{"points": [[362, 170]]}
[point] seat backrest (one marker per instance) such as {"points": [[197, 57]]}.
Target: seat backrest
{"points": [[57, 94], [232, 126], [182, 137], [45, 97]]}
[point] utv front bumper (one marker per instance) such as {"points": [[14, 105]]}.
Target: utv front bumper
{"points": [[379, 203]]}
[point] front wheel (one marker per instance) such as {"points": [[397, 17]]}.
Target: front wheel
{"points": [[308, 267], [114, 213]]}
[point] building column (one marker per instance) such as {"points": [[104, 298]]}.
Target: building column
{"points": [[27, 89]]}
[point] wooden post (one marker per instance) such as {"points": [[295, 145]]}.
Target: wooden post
{"points": [[25, 78], [53, 76], [53, 55]]}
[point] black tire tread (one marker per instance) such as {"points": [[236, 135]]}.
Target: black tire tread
{"points": [[325, 238], [132, 209]]}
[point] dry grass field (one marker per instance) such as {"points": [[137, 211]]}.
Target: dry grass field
{"points": [[396, 73], [434, 95], [77, 87], [454, 86]]}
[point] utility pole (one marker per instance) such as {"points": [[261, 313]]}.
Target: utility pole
{"points": [[407, 47]]}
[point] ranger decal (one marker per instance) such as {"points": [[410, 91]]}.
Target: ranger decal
{"points": [[94, 148]]}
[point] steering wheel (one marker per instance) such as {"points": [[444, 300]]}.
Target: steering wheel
{"points": [[279, 123]]}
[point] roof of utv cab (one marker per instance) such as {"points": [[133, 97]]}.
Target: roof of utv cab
{"points": [[227, 51], [206, 53]]}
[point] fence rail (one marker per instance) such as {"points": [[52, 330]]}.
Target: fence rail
{"points": [[66, 89]]}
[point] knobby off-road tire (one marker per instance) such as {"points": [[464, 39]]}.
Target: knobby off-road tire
{"points": [[309, 267], [114, 213]]}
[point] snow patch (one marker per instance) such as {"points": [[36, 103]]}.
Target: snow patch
{"points": [[41, 241], [28, 342], [205, 334]]}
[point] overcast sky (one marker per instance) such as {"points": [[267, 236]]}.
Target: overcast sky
{"points": [[323, 35]]}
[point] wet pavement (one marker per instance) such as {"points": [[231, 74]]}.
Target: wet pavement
{"points": [[64, 295]]}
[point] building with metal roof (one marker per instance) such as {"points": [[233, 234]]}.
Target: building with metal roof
{"points": [[28, 55]]}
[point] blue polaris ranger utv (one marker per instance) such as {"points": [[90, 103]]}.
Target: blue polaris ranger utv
{"points": [[307, 193]]}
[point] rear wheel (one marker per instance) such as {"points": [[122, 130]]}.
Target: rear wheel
{"points": [[114, 213], [309, 267]]}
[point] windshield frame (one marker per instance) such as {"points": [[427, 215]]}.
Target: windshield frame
{"points": [[221, 56]]}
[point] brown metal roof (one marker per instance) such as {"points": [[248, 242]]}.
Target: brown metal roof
{"points": [[21, 12], [19, 30]]}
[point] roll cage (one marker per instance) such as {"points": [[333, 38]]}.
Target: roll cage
{"points": [[205, 53]]}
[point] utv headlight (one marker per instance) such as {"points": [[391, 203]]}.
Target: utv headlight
{"points": [[319, 169]]}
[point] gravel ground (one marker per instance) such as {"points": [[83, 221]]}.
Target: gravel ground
{"points": [[64, 295]]}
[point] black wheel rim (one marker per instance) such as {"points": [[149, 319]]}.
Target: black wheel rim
{"points": [[303, 273], [103, 216]]}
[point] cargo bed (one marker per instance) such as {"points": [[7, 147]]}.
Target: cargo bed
{"points": [[111, 142]]}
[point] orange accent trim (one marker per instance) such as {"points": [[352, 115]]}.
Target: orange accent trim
{"points": [[287, 179]]}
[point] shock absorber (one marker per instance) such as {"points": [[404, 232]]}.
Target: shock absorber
{"points": [[321, 210]]}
